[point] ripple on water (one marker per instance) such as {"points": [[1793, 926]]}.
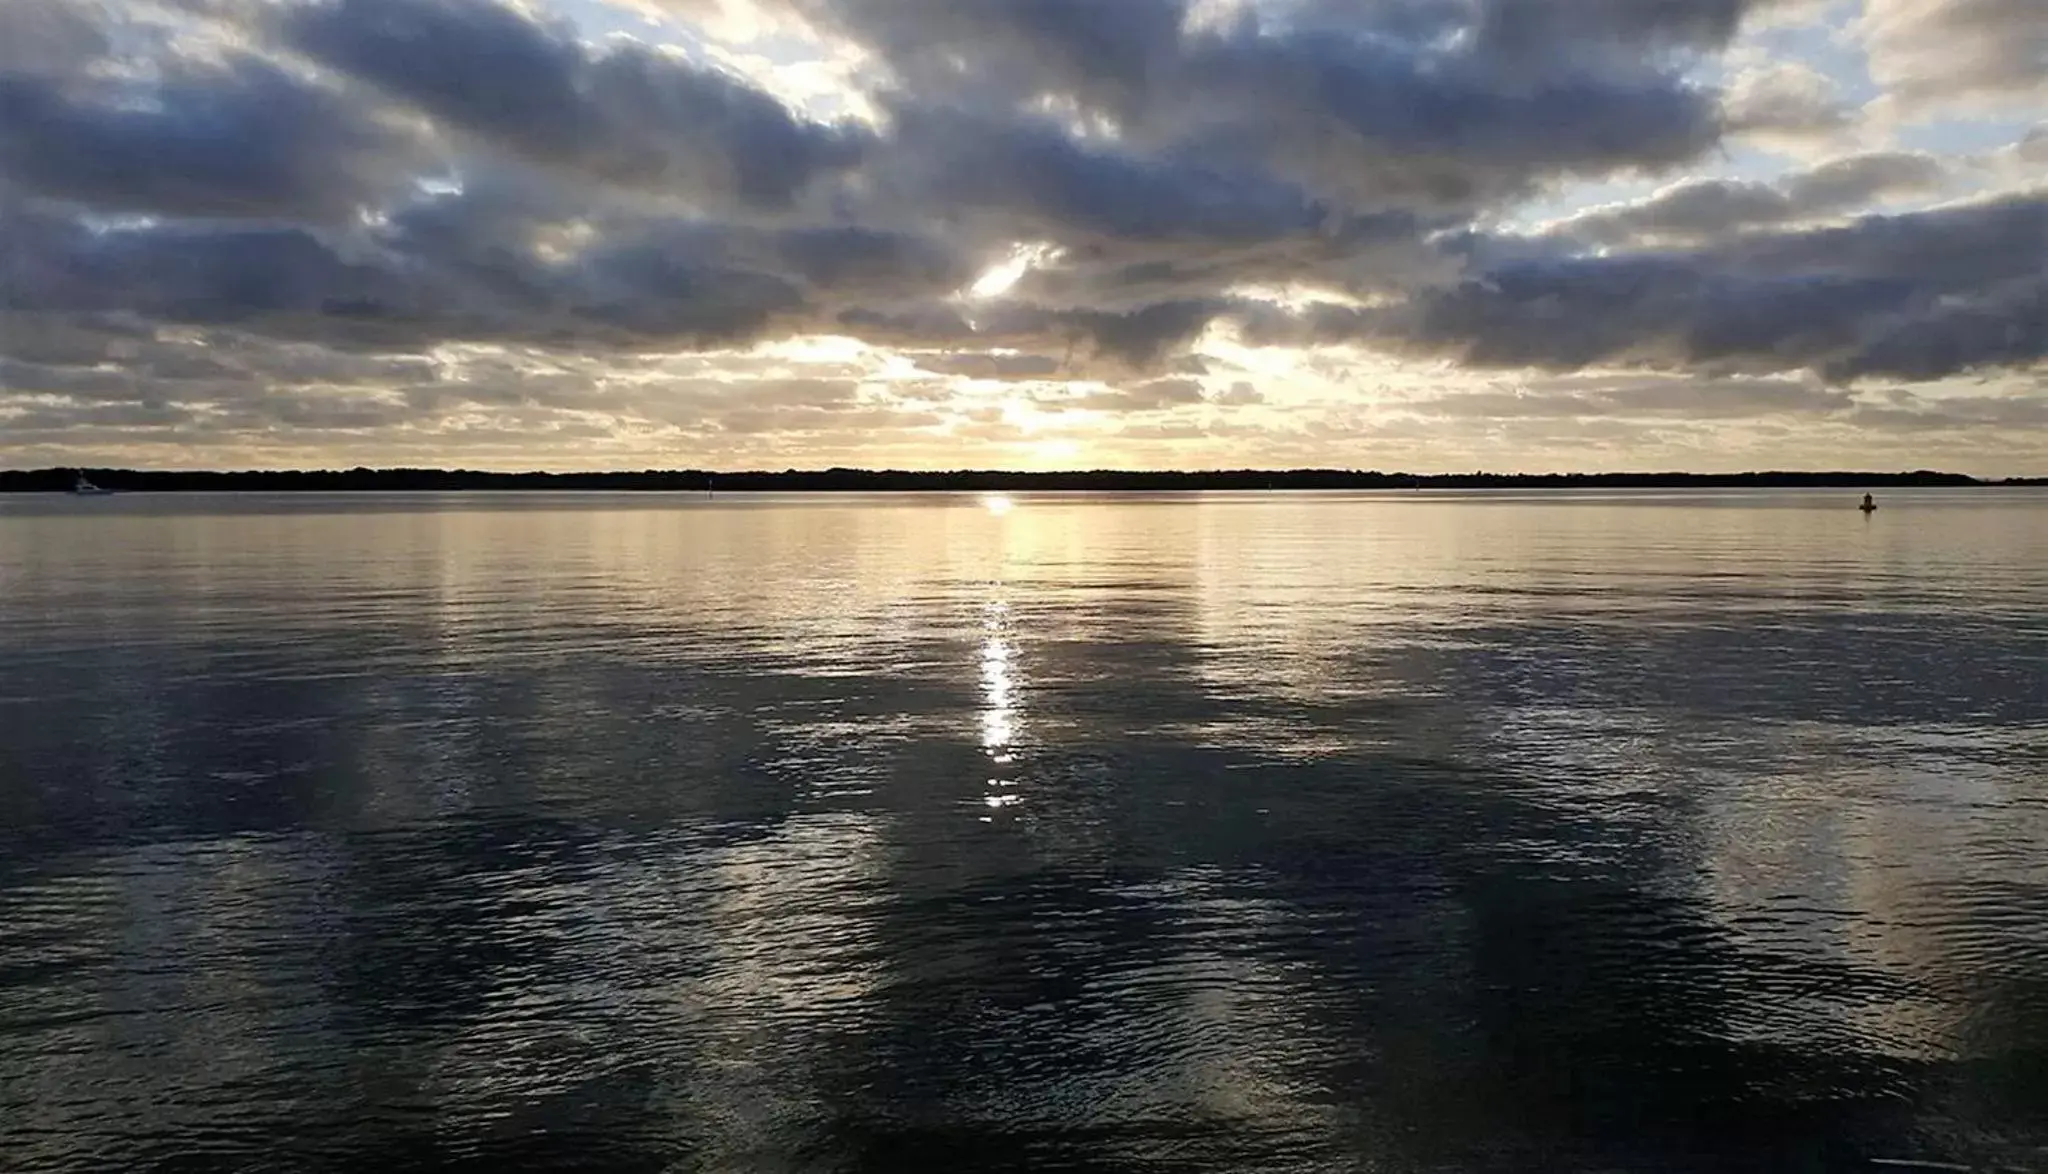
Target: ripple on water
{"points": [[1274, 832]]}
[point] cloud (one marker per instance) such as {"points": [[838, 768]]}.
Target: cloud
{"points": [[1913, 296], [1639, 397], [1786, 104], [407, 284], [991, 365], [1154, 395], [1854, 180], [1153, 228], [414, 219], [1912, 414], [239, 137], [1703, 209], [2006, 325], [1931, 55], [626, 114], [2032, 147], [1090, 342], [47, 38], [1053, 187], [1413, 104]]}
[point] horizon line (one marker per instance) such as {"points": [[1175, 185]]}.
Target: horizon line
{"points": [[697, 478]]}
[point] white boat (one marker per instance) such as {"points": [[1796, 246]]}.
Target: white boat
{"points": [[85, 488]]}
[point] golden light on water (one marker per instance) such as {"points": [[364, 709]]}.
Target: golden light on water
{"points": [[997, 692], [998, 503], [999, 707]]}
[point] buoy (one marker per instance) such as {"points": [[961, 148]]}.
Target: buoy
{"points": [[1868, 505]]}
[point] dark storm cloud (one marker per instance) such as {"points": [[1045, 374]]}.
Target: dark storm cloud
{"points": [[1540, 26], [1089, 341], [63, 339], [1054, 187], [240, 137], [1121, 56], [626, 114], [393, 290], [1141, 337], [336, 193], [1013, 50], [1397, 126], [1914, 296], [1159, 224], [1425, 104], [2004, 326], [844, 260], [985, 365], [80, 383]]}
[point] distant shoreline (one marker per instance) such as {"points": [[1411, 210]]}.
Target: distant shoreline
{"points": [[888, 481]]}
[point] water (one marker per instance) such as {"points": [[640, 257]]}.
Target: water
{"points": [[1264, 832]]}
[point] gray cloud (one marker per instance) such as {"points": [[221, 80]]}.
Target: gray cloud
{"points": [[45, 422], [1053, 187], [1401, 128], [1853, 180], [1914, 415], [1090, 342], [1640, 397], [844, 259], [1419, 104], [1915, 296], [1929, 54], [239, 137], [984, 365], [455, 396], [2031, 148], [1703, 209], [47, 37], [400, 288], [310, 214], [1159, 225], [2006, 325], [628, 114], [1149, 396], [1786, 103]]}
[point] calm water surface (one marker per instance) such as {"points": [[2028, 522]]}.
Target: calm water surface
{"points": [[1264, 832]]}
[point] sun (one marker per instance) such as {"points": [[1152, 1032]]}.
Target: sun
{"points": [[998, 279], [1053, 452]]}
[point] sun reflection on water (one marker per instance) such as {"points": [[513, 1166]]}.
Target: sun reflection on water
{"points": [[998, 705]]}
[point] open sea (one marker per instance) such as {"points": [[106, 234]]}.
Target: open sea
{"points": [[1400, 832]]}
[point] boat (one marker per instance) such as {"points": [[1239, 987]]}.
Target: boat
{"points": [[1868, 505], [85, 488]]}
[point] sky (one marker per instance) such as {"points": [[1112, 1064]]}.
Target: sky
{"points": [[1425, 235]]}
